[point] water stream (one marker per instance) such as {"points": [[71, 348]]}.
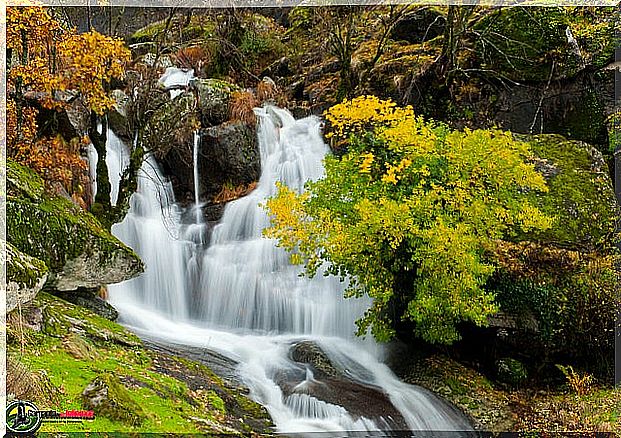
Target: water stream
{"points": [[240, 296]]}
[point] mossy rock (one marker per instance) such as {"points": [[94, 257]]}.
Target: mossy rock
{"points": [[21, 181], [78, 251], [148, 33], [172, 125], [523, 43], [61, 317], [107, 396], [25, 276], [581, 197], [214, 96]]}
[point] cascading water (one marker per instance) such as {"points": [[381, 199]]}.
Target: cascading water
{"points": [[242, 298], [197, 205]]}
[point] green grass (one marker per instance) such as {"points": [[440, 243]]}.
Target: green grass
{"points": [[82, 346]]}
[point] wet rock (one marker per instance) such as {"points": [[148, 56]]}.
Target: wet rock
{"points": [[229, 156], [107, 396], [308, 352], [331, 385]]}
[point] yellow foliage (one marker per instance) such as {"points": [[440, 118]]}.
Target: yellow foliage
{"points": [[412, 205], [364, 113]]}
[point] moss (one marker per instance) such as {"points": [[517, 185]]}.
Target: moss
{"points": [[54, 230], [101, 330], [23, 269], [23, 181], [580, 197], [116, 404], [148, 33]]}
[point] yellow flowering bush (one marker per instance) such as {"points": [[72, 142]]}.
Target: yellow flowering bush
{"points": [[407, 212]]}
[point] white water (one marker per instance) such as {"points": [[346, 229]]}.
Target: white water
{"points": [[197, 205], [176, 76], [242, 298]]}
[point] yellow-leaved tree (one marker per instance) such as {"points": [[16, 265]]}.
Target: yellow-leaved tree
{"points": [[407, 213]]}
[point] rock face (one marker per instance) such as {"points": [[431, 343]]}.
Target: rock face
{"points": [[76, 249], [228, 151], [213, 100], [575, 108], [25, 277], [230, 155]]}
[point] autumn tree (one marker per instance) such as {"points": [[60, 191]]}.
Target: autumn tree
{"points": [[50, 66], [407, 214]]}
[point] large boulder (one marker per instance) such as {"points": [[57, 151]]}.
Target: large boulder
{"points": [[332, 385], [581, 196], [228, 151], [213, 100], [78, 251], [25, 277], [229, 156]]}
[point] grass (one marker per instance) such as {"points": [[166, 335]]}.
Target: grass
{"points": [[80, 347]]}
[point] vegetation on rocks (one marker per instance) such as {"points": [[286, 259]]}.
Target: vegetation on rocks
{"points": [[84, 355], [70, 241]]}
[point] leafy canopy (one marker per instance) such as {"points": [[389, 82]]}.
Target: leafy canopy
{"points": [[47, 63], [407, 213]]}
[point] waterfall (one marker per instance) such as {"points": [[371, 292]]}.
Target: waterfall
{"points": [[242, 298], [117, 160], [174, 76], [197, 140], [92, 157]]}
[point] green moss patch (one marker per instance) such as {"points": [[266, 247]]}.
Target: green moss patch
{"points": [[23, 269], [580, 197], [23, 181]]}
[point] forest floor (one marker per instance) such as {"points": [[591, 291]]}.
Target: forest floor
{"points": [[497, 407]]}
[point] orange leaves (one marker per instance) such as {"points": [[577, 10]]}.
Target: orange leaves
{"points": [[48, 58], [89, 60], [59, 59]]}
